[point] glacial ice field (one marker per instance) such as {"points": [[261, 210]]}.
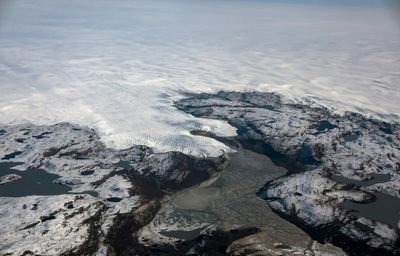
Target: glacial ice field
{"points": [[117, 66]]}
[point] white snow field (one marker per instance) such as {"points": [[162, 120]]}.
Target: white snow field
{"points": [[117, 66]]}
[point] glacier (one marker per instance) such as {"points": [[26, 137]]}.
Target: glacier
{"points": [[118, 66]]}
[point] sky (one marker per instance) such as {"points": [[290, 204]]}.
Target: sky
{"points": [[117, 66]]}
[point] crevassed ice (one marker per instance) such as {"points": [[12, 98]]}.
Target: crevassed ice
{"points": [[118, 65]]}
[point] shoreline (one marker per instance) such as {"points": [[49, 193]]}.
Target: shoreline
{"points": [[132, 184], [314, 144]]}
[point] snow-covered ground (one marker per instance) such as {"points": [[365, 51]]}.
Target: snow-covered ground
{"points": [[103, 190], [118, 65], [326, 145]]}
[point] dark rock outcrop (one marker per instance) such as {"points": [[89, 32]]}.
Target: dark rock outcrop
{"points": [[314, 145]]}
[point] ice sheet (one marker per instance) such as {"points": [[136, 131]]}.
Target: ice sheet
{"points": [[118, 65]]}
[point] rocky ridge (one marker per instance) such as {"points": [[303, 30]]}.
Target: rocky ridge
{"points": [[114, 193], [316, 145]]}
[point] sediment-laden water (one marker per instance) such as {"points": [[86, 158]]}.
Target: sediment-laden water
{"points": [[230, 201]]}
